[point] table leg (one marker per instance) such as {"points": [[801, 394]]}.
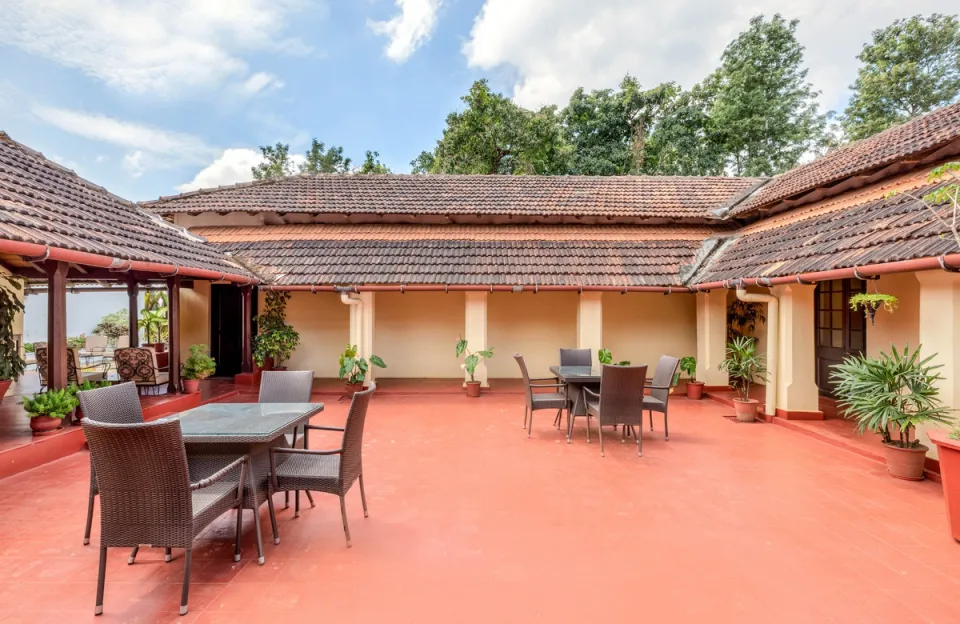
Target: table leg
{"points": [[253, 482]]}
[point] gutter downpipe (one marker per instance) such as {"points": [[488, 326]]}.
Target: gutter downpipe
{"points": [[773, 338]]}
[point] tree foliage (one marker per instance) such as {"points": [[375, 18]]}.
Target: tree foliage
{"points": [[911, 67], [276, 162], [319, 158], [371, 164]]}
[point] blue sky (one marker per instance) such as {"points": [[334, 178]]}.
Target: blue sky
{"points": [[146, 97]]}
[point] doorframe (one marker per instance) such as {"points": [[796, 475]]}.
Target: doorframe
{"points": [[850, 287]]}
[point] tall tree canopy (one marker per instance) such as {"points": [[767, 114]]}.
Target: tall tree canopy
{"points": [[911, 67], [684, 140], [321, 159], [318, 159], [276, 162]]}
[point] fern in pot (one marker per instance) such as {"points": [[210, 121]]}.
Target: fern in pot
{"points": [[198, 366], [47, 410], [891, 394], [745, 367]]}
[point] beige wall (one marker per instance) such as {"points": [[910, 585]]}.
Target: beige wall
{"points": [[903, 326], [536, 326], [416, 333], [194, 317], [641, 327], [324, 326]]}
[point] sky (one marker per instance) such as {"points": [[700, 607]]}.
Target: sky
{"points": [[150, 98]]}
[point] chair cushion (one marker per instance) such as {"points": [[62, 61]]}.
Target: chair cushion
{"points": [[593, 407], [549, 400], [318, 473], [651, 403]]}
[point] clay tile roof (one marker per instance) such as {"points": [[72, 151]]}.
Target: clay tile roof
{"points": [[42, 202], [501, 255], [447, 195], [913, 138]]}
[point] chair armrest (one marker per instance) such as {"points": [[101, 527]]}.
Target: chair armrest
{"points": [[553, 379], [589, 391], [657, 387], [323, 428], [293, 451], [202, 483], [560, 385]]}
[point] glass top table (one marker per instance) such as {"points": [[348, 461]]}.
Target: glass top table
{"points": [[577, 374], [244, 423]]}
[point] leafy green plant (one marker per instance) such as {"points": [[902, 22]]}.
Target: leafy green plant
{"points": [[113, 325], [153, 316], [77, 342], [275, 339], [472, 358], [742, 319], [53, 403], [871, 302], [11, 364], [688, 365], [947, 195], [353, 368], [744, 365], [955, 433], [604, 356], [73, 388], [898, 388], [199, 364], [29, 347]]}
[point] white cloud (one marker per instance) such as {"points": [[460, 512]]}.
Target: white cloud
{"points": [[558, 45], [231, 167], [259, 82], [165, 48], [409, 29], [136, 163]]}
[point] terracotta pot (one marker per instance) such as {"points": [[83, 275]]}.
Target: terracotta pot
{"points": [[746, 410], [45, 425], [949, 455], [905, 463], [191, 386], [4, 386], [695, 390], [473, 389], [77, 415], [352, 389]]}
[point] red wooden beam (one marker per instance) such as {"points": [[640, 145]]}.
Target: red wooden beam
{"points": [[57, 324], [133, 318], [247, 316], [173, 318]]}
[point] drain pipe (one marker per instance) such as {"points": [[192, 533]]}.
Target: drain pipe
{"points": [[773, 326], [350, 298]]}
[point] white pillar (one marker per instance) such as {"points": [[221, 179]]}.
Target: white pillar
{"points": [[590, 323], [711, 337], [475, 331], [361, 327], [798, 396], [940, 335]]}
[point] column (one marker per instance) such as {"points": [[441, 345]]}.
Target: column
{"points": [[173, 332], [246, 293], [940, 335], [133, 303], [711, 337], [798, 397], [366, 341], [475, 331], [57, 324], [590, 323]]}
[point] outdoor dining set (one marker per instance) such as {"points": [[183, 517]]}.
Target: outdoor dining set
{"points": [[615, 395], [163, 482]]}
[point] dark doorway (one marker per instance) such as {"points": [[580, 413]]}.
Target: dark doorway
{"points": [[226, 328], [840, 331]]}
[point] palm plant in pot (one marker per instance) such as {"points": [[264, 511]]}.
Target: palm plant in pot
{"points": [[11, 364], [353, 368], [745, 367], [892, 394], [688, 365], [47, 410], [153, 319], [470, 363], [199, 365]]}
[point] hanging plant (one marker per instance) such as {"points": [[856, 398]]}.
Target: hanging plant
{"points": [[871, 302]]}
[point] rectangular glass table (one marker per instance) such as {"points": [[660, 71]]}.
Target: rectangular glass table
{"points": [[216, 434], [575, 377]]}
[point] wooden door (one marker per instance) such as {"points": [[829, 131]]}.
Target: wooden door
{"points": [[840, 331]]}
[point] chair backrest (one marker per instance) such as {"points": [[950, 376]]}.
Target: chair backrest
{"points": [[41, 355], [73, 366], [94, 342], [351, 460], [527, 390], [576, 357], [144, 483], [123, 342], [663, 376], [621, 394], [286, 386], [43, 361], [136, 364], [115, 404]]}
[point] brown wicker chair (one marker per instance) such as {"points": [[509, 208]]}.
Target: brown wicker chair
{"points": [[659, 398], [541, 400], [146, 496], [288, 387], [76, 373], [332, 471], [620, 401], [117, 404], [139, 365], [576, 357]]}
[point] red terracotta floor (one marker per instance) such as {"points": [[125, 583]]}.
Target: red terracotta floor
{"points": [[471, 521]]}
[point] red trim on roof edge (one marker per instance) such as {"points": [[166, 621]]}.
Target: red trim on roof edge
{"points": [[89, 259], [475, 287]]}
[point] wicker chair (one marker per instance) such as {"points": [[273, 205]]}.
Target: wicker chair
{"points": [[620, 401], [146, 495], [332, 471], [139, 365], [576, 357], [76, 374], [659, 398], [115, 404], [541, 400], [288, 387]]}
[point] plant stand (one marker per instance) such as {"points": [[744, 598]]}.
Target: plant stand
{"points": [[949, 454]]}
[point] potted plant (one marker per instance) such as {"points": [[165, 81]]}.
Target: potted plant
{"points": [[11, 364], [604, 356], [275, 339], [47, 410], [688, 365], [745, 367], [470, 362], [892, 394], [153, 318], [73, 389], [871, 302], [948, 445], [353, 368], [199, 365]]}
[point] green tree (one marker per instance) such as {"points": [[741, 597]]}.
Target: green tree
{"points": [[320, 159], [423, 163], [684, 141], [765, 113], [372, 164], [276, 162], [495, 135], [911, 67]]}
